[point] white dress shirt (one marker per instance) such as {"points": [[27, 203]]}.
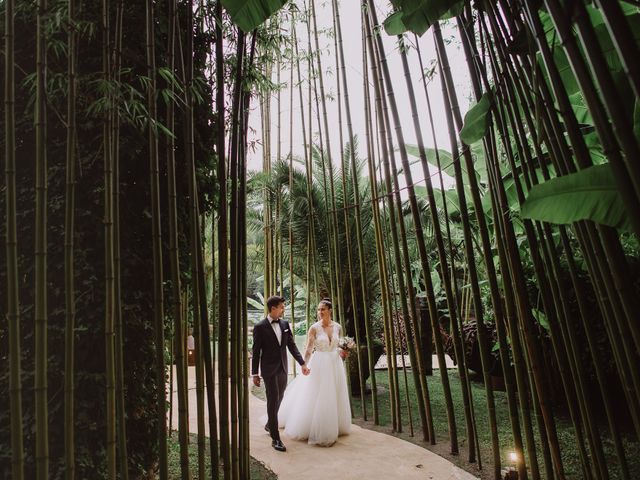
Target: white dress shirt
{"points": [[276, 329]]}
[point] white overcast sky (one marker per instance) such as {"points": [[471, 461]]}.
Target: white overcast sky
{"points": [[351, 30]]}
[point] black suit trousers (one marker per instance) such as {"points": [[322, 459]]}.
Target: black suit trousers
{"points": [[275, 386]]}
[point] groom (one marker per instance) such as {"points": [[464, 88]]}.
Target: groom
{"points": [[270, 337]]}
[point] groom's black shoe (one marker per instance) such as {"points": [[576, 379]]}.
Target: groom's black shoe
{"points": [[266, 429], [278, 445]]}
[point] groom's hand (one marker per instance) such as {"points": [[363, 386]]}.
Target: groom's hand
{"points": [[305, 370], [256, 380]]}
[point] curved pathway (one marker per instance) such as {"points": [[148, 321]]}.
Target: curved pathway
{"points": [[364, 454]]}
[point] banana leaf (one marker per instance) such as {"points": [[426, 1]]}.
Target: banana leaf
{"points": [[249, 14], [417, 16], [590, 194], [476, 121]]}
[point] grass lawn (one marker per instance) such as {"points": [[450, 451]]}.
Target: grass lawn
{"points": [[565, 430], [258, 470]]}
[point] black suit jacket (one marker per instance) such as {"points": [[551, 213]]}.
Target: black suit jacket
{"points": [[271, 356]]}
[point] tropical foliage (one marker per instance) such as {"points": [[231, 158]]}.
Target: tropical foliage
{"points": [[130, 217]]}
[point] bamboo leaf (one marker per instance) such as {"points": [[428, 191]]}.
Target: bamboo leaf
{"points": [[249, 14], [590, 194]]}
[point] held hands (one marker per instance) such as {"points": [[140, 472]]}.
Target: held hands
{"points": [[256, 380], [343, 354], [305, 370]]}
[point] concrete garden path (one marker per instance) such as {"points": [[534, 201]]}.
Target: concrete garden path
{"points": [[364, 454]]}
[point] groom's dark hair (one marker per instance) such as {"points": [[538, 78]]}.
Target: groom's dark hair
{"points": [[273, 302]]}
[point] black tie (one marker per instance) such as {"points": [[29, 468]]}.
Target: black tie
{"points": [[274, 321]]}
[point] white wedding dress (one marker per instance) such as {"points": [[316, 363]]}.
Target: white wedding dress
{"points": [[316, 407]]}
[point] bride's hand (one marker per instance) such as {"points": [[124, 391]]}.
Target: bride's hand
{"points": [[343, 354]]}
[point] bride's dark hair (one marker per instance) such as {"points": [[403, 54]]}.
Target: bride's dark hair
{"points": [[327, 303]]}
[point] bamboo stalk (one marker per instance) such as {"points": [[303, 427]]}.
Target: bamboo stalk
{"points": [[306, 158], [454, 113], [193, 242], [179, 318], [564, 364], [501, 318], [158, 297], [610, 244], [109, 255], [70, 294], [500, 206], [245, 367], [344, 172], [613, 102], [622, 179], [441, 252], [410, 316], [292, 292], [223, 322], [383, 277], [391, 347], [308, 153], [623, 40], [119, 334], [577, 366], [471, 53], [625, 173], [205, 342], [545, 287], [531, 343], [590, 236], [333, 222], [236, 271], [357, 198], [41, 314], [566, 156], [558, 317], [11, 243]]}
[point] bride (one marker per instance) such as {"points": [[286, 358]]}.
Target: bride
{"points": [[316, 407]]}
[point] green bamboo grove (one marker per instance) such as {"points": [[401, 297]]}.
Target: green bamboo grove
{"points": [[460, 178]]}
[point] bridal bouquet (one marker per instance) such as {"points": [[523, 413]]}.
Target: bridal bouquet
{"points": [[347, 345]]}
